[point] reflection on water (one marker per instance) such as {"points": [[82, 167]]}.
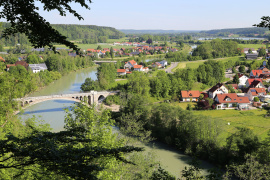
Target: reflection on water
{"points": [[70, 83], [52, 112]]}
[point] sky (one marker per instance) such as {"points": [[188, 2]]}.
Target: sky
{"points": [[166, 15]]}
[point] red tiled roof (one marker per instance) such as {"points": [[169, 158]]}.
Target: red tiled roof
{"points": [[137, 66], [256, 72], [231, 98], [190, 94], [256, 91], [9, 65], [23, 63], [132, 62], [250, 81], [121, 70]]}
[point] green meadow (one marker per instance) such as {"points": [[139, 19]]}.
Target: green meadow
{"points": [[252, 119], [255, 46], [196, 64]]}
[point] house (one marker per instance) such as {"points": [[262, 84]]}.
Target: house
{"points": [[252, 56], [188, 96], [163, 63], [8, 66], [121, 72], [247, 49], [254, 83], [38, 67], [265, 77], [231, 100], [22, 63], [145, 69], [242, 81], [130, 64], [255, 92], [219, 88], [138, 68], [156, 64], [255, 73]]}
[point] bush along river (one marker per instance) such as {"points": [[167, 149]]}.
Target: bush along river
{"points": [[52, 112]]}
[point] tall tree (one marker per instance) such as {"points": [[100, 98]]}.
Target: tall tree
{"points": [[24, 18]]}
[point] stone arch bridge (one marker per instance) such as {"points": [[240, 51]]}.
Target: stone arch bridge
{"points": [[92, 97]]}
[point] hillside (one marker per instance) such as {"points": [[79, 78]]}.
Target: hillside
{"points": [[244, 32], [133, 31], [82, 33]]}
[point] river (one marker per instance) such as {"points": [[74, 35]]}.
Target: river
{"points": [[52, 112]]}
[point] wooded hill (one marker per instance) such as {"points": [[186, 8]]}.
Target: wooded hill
{"points": [[245, 32], [83, 33]]}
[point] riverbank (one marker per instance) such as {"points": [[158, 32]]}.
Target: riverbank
{"points": [[52, 113]]}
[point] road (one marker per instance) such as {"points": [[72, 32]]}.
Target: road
{"points": [[169, 69]]}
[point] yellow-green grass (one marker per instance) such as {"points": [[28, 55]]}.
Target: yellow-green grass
{"points": [[115, 84], [199, 86], [124, 39], [156, 100], [94, 46], [184, 105], [196, 64], [255, 46], [252, 119]]}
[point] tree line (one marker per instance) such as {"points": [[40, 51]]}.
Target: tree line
{"points": [[87, 34], [217, 48]]}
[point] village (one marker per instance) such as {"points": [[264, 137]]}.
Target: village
{"points": [[245, 91], [249, 89]]}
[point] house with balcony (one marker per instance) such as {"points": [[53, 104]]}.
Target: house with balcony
{"points": [[231, 101]]}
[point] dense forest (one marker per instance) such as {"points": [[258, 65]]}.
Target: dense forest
{"points": [[243, 32], [87, 34]]}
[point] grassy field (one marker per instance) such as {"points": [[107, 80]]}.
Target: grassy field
{"points": [[184, 105], [94, 46], [115, 84], [199, 86], [255, 46], [196, 64], [252, 119]]}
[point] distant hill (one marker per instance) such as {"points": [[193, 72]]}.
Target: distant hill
{"points": [[82, 33], [133, 31], [250, 32], [74, 32]]}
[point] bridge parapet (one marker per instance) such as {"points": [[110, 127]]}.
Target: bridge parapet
{"points": [[91, 97]]}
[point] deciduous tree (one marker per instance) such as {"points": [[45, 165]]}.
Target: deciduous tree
{"points": [[24, 18]]}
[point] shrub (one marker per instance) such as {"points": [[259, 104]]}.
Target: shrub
{"points": [[256, 99]]}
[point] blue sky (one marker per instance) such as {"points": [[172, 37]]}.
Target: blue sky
{"points": [[167, 15]]}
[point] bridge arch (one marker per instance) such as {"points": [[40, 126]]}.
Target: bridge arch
{"points": [[32, 102], [101, 98]]}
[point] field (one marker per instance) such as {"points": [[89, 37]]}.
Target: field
{"points": [[255, 46], [196, 64], [94, 46], [252, 119], [121, 82], [184, 105]]}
